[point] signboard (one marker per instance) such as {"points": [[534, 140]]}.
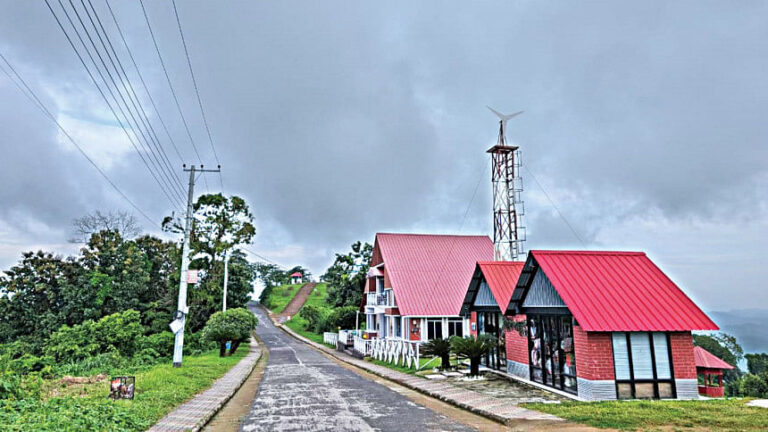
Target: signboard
{"points": [[192, 276], [122, 387]]}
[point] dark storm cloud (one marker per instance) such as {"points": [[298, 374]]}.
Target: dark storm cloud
{"points": [[337, 120]]}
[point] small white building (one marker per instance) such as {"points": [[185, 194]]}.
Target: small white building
{"points": [[297, 278]]}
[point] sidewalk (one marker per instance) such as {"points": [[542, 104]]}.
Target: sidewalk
{"points": [[501, 410], [195, 413]]}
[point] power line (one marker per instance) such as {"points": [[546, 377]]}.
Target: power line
{"points": [[573, 231], [197, 92], [141, 78], [263, 258], [39, 104], [170, 85], [170, 174], [101, 91]]}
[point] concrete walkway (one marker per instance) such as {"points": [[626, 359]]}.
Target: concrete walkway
{"points": [[195, 413], [501, 410]]}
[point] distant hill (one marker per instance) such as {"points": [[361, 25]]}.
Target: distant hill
{"points": [[748, 325]]}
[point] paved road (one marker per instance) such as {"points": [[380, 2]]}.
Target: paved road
{"points": [[302, 390]]}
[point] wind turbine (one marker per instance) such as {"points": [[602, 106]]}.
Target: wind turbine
{"points": [[503, 118]]}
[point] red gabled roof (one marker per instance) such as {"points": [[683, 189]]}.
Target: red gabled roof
{"points": [[296, 274], [501, 277], [705, 359], [430, 273], [620, 291]]}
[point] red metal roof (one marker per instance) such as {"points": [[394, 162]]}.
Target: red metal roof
{"points": [[501, 277], [296, 274], [705, 359], [620, 291], [430, 273]]}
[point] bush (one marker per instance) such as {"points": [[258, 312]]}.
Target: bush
{"points": [[234, 325], [120, 331], [755, 385], [439, 348], [312, 315], [161, 343]]}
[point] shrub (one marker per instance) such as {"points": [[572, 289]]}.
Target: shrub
{"points": [[234, 325], [755, 385], [120, 331], [474, 348], [312, 315], [160, 343], [439, 348]]}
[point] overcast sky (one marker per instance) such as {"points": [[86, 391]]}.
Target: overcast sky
{"points": [[644, 122]]}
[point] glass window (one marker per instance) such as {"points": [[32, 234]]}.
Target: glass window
{"points": [[661, 351], [621, 356], [434, 329], [455, 327], [642, 364]]}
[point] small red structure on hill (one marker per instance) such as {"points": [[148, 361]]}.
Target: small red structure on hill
{"points": [[709, 369], [296, 277]]}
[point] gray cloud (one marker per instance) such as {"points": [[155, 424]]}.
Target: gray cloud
{"points": [[338, 120]]}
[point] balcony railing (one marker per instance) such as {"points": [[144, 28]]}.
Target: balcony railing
{"points": [[379, 299]]}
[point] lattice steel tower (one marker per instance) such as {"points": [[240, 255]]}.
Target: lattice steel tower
{"points": [[508, 209]]}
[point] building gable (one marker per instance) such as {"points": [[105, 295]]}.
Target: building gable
{"points": [[542, 293], [484, 296]]}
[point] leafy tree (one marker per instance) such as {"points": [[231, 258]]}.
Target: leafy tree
{"points": [[439, 348], [346, 276], [270, 275], [755, 385], [230, 326], [726, 348], [312, 314], [757, 363], [474, 348], [120, 332]]}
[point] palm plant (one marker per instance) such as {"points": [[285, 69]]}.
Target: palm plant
{"points": [[439, 348], [474, 348]]}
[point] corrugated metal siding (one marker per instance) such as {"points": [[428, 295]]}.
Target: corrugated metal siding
{"points": [[542, 293], [620, 291], [484, 296], [430, 273]]}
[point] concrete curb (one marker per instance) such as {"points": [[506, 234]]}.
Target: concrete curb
{"points": [[444, 392], [195, 413]]}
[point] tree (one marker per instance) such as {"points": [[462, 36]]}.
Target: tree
{"points": [[271, 275], [439, 348], [725, 347], [755, 385], [119, 221], [234, 325], [757, 363], [346, 276], [474, 348]]}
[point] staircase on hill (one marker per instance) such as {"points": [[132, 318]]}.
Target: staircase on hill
{"points": [[297, 301]]}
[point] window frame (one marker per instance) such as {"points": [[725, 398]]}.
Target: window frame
{"points": [[655, 380]]}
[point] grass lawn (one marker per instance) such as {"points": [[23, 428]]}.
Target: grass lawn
{"points": [[318, 295], [86, 407], [720, 415], [281, 296], [299, 325]]}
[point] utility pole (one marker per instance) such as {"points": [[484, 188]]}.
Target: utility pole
{"points": [[226, 279], [177, 326]]}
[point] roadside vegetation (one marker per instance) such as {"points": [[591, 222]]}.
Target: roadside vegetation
{"points": [[720, 415], [68, 324]]}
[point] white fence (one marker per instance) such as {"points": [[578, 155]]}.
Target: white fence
{"points": [[363, 346], [399, 352], [331, 338]]}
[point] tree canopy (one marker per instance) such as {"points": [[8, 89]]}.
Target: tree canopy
{"points": [[346, 276]]}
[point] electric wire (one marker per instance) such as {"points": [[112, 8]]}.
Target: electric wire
{"points": [[103, 95], [562, 216], [39, 104], [197, 92], [152, 156], [170, 85], [132, 96], [141, 78]]}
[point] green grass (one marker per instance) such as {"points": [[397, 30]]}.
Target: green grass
{"points": [[318, 295], [86, 407], [299, 325], [721, 415], [281, 296]]}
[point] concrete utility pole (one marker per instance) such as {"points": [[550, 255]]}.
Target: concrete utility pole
{"points": [[177, 326], [226, 279]]}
